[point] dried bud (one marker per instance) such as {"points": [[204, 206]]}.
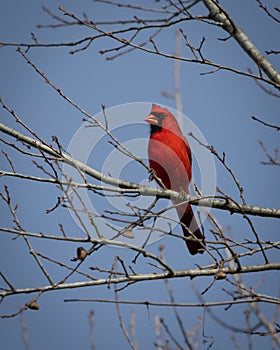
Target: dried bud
{"points": [[161, 247], [220, 275], [128, 234], [81, 254], [33, 305]]}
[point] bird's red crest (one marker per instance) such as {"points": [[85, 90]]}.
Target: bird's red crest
{"points": [[158, 109]]}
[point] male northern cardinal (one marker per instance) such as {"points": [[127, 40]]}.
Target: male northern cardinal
{"points": [[171, 160]]}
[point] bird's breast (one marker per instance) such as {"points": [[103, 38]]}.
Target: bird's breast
{"points": [[169, 160]]}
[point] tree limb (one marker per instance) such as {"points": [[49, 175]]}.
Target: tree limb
{"points": [[146, 277], [121, 185], [218, 14]]}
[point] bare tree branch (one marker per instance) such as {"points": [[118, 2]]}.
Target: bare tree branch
{"points": [[224, 204], [219, 15], [145, 277]]}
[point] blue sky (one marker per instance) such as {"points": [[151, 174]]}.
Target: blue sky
{"points": [[220, 105]]}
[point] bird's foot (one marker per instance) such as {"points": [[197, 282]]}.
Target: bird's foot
{"points": [[182, 196], [152, 175]]}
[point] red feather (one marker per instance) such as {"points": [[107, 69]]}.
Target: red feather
{"points": [[171, 160]]}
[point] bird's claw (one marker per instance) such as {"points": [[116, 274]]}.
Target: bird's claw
{"points": [[152, 175], [182, 196]]}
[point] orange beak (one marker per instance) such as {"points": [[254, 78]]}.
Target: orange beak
{"points": [[151, 119]]}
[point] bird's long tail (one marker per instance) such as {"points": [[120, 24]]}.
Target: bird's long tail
{"points": [[191, 230]]}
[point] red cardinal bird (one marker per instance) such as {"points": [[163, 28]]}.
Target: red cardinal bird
{"points": [[171, 160]]}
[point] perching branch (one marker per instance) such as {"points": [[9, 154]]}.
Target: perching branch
{"points": [[121, 185]]}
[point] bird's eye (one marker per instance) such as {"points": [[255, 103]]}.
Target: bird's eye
{"points": [[160, 117]]}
